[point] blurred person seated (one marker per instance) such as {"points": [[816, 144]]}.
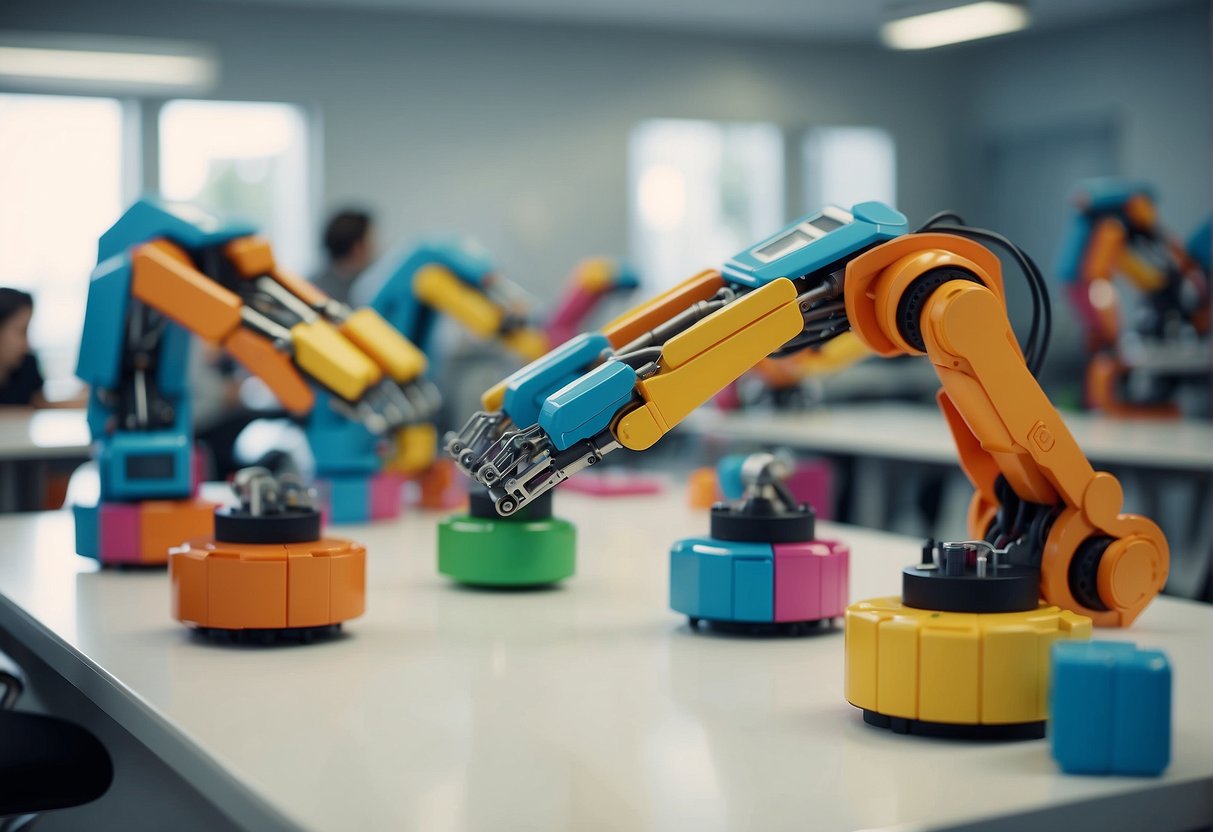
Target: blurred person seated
{"points": [[349, 241], [20, 377]]}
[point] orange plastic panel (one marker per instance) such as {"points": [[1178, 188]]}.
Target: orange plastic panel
{"points": [[252, 256], [308, 578], [300, 288], [260, 358], [244, 592], [347, 583], [640, 320], [164, 278], [165, 524], [1104, 249], [876, 279], [187, 574]]}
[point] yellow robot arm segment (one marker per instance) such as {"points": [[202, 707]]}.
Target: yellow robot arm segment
{"points": [[398, 357], [325, 354], [415, 448], [697, 363], [439, 288], [527, 342]]}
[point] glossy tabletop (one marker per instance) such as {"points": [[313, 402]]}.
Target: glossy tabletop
{"points": [[918, 433], [588, 706], [42, 434]]}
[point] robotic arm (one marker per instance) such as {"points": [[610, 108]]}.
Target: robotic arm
{"points": [[1116, 233], [169, 270], [924, 293], [592, 281]]}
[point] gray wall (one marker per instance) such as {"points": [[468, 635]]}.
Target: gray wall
{"points": [[518, 133]]}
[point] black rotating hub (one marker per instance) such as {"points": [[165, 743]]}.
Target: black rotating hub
{"points": [[952, 583], [238, 525], [481, 505], [761, 520]]}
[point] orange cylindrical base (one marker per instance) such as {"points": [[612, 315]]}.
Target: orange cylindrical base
{"points": [[232, 586]]}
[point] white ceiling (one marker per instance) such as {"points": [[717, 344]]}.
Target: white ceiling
{"points": [[802, 19]]}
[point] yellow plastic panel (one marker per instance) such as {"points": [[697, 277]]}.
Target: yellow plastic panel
{"points": [[416, 446], [528, 343], [328, 357], [703, 362], [384, 344], [949, 670], [439, 288], [726, 323], [494, 397], [862, 622], [897, 668]]}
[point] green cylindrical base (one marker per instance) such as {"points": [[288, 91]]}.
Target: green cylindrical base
{"points": [[506, 553]]}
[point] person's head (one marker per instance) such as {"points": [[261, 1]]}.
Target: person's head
{"points": [[350, 241], [16, 309]]}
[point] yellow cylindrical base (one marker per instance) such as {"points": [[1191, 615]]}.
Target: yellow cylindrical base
{"points": [[953, 668]]}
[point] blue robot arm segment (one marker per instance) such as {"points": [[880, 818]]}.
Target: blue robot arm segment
{"points": [[585, 407], [527, 389]]}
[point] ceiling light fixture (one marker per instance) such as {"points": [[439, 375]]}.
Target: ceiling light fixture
{"points": [[81, 62], [954, 25]]}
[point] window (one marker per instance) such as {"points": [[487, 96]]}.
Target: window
{"points": [[846, 165], [701, 191], [242, 159], [61, 174]]}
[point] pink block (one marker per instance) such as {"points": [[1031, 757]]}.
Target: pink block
{"points": [[197, 469], [614, 484], [812, 580], [813, 482], [387, 497], [118, 533]]}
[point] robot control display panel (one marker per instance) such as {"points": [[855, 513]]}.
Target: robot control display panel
{"points": [[813, 228]]}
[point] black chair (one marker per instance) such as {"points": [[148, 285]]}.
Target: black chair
{"points": [[45, 762]]}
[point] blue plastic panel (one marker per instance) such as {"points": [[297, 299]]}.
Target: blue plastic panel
{"points": [[528, 388], [1110, 193], [339, 446], [186, 225], [587, 405], [88, 535], [872, 223], [145, 466], [104, 335], [1073, 247], [728, 472], [722, 580]]}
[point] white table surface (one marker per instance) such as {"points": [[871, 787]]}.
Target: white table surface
{"points": [[42, 434], [919, 433], [588, 706]]}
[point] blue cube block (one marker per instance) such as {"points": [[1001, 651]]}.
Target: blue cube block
{"points": [[349, 499], [1110, 708]]}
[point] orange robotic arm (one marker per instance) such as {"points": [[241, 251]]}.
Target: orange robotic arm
{"points": [[1093, 559]]}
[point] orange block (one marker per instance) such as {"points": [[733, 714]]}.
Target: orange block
{"points": [[252, 256], [307, 588], [164, 524], [347, 590], [702, 489], [246, 592], [187, 574]]}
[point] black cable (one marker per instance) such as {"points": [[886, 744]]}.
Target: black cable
{"points": [[1036, 345]]}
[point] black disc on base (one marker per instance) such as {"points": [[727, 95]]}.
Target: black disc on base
{"points": [[1005, 589], [948, 730], [760, 628], [269, 636], [480, 504], [235, 525], [758, 520]]}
